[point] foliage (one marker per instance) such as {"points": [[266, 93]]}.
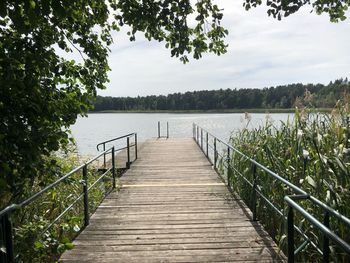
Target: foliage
{"points": [[312, 152], [43, 89], [336, 9], [34, 239], [273, 97]]}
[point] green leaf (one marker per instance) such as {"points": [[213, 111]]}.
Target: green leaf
{"points": [[38, 245], [69, 245], [65, 240], [32, 4]]}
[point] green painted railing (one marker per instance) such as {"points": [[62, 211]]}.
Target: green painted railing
{"points": [[160, 133], [127, 147], [7, 233], [215, 148]]}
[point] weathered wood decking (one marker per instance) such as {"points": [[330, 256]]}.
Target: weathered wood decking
{"points": [[172, 207]]}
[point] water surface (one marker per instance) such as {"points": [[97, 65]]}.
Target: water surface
{"points": [[97, 127]]}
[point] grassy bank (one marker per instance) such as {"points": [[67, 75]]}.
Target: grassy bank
{"points": [[273, 110]]}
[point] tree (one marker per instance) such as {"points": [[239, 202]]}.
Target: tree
{"points": [[43, 91], [336, 9]]}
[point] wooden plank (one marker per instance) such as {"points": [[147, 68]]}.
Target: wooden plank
{"points": [[172, 207]]}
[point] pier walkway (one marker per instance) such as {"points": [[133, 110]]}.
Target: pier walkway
{"points": [[172, 207]]}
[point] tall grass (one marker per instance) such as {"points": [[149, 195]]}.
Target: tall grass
{"points": [[311, 150], [34, 239]]}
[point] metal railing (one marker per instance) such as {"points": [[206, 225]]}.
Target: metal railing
{"points": [[7, 253], [159, 130], [127, 147], [7, 233], [214, 148]]}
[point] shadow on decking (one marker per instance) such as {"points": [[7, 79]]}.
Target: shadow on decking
{"points": [[263, 234]]}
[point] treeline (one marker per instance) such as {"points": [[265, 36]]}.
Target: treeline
{"points": [[285, 96]]}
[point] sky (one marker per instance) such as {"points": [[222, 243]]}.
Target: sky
{"points": [[262, 52]]}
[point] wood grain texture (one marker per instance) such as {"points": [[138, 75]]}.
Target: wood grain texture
{"points": [[172, 207]]}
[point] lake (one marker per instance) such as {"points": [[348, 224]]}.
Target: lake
{"points": [[97, 127]]}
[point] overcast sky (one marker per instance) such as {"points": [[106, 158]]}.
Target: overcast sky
{"points": [[262, 52]]}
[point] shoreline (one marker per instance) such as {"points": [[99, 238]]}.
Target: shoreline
{"points": [[290, 110]]}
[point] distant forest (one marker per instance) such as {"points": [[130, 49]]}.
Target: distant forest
{"points": [[280, 97]]}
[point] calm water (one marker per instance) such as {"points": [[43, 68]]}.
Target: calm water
{"points": [[103, 126]]}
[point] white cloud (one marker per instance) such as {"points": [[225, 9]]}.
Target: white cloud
{"points": [[262, 52]]}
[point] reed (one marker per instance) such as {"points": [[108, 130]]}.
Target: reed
{"points": [[35, 240], [311, 150]]}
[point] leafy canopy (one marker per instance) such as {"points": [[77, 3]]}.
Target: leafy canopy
{"points": [[336, 9], [42, 91]]}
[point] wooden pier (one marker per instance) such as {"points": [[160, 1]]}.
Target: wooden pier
{"points": [[172, 207]]}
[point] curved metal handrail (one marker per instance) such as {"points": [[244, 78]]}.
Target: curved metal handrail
{"points": [[114, 139]]}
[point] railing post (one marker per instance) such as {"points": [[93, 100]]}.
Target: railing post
{"points": [[167, 130], [228, 167], [193, 131], [104, 156], [6, 226], [86, 197], [113, 167], [135, 146], [202, 139], [254, 192], [290, 234], [197, 135], [207, 145], [158, 129], [326, 239], [215, 156], [128, 152]]}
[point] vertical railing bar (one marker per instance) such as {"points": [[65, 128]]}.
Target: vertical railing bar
{"points": [[326, 239], [215, 155], [207, 145], [290, 234], [195, 131], [135, 146], [86, 197], [197, 135], [128, 152], [104, 156], [228, 168], [9, 256], [254, 192], [158, 129], [233, 172], [113, 168], [202, 139], [167, 130]]}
